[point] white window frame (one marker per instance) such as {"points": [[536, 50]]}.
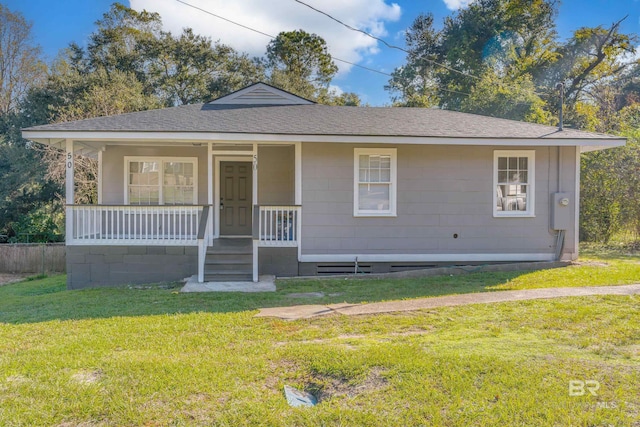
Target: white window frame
{"points": [[161, 161], [393, 153], [531, 184]]}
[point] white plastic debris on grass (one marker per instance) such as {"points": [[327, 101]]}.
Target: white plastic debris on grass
{"points": [[297, 398]]}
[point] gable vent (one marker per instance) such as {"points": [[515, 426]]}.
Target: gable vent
{"points": [[261, 94]]}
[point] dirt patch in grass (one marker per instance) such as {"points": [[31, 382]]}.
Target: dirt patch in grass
{"points": [[6, 278], [590, 263], [345, 337], [87, 377], [325, 387], [306, 295], [16, 379], [157, 286], [83, 424]]}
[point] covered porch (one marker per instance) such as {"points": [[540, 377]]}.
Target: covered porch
{"points": [[260, 207]]}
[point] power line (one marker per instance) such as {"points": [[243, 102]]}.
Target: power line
{"points": [[273, 37], [225, 19], [350, 27], [363, 67], [336, 59], [391, 46]]}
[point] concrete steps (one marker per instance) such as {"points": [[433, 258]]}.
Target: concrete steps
{"points": [[229, 260]]}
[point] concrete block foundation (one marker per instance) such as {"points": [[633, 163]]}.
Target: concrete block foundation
{"points": [[280, 262], [98, 266]]}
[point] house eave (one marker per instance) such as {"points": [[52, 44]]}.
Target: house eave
{"points": [[181, 138]]}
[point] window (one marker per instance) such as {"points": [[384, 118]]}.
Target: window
{"points": [[513, 183], [144, 183], [374, 191], [161, 181]]}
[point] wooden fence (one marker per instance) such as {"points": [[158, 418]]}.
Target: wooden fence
{"points": [[32, 258]]}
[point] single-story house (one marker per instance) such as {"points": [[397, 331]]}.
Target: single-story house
{"points": [[264, 182]]}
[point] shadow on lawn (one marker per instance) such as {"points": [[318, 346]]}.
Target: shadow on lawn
{"points": [[48, 299]]}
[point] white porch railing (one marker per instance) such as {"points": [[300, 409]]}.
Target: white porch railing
{"points": [[134, 225], [278, 225]]}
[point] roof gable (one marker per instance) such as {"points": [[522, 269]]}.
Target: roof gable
{"points": [[261, 94]]}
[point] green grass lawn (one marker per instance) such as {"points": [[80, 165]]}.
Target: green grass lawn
{"points": [[151, 356], [48, 299]]}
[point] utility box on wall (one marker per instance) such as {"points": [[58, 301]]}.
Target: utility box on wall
{"points": [[561, 213]]}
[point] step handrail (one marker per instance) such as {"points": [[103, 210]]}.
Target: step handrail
{"points": [[204, 219], [203, 240]]}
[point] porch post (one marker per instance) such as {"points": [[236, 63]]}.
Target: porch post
{"points": [[254, 197], [99, 183], [69, 190], [298, 173], [298, 194], [254, 175], [210, 189]]}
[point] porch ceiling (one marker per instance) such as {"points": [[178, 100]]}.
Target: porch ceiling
{"points": [[90, 148]]}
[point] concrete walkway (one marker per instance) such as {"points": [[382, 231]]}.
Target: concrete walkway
{"points": [[308, 311], [264, 284]]}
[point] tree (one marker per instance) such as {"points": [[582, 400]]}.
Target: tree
{"points": [[23, 188], [300, 63], [499, 52], [20, 65], [72, 95], [190, 69], [488, 40], [610, 193], [416, 83], [591, 55], [508, 97], [600, 208], [176, 69], [117, 44], [590, 64], [333, 97]]}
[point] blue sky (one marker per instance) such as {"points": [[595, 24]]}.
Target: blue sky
{"points": [[56, 23]]}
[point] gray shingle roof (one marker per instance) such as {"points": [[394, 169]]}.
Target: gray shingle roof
{"points": [[319, 120]]}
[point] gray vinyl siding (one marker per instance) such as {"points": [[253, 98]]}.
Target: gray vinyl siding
{"points": [[275, 172], [441, 191], [276, 175]]}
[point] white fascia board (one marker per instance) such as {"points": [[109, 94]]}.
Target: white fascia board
{"points": [[597, 147], [191, 137], [483, 257]]}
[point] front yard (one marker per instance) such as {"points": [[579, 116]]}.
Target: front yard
{"points": [[152, 356]]}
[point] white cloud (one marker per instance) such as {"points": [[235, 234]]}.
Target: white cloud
{"points": [[337, 90], [457, 4], [628, 57], [274, 16]]}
